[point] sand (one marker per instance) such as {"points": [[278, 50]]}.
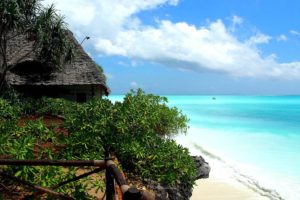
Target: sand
{"points": [[214, 189], [223, 182], [223, 185]]}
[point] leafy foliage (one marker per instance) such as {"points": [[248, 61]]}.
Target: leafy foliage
{"points": [[7, 111], [51, 43], [140, 113], [136, 129]]}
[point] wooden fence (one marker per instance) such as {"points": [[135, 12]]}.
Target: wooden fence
{"points": [[113, 176]]}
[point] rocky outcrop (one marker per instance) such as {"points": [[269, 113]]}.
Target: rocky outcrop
{"points": [[182, 191], [203, 167]]}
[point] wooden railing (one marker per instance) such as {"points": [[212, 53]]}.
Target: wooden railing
{"points": [[113, 176]]}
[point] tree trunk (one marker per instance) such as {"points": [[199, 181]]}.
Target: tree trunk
{"points": [[2, 82], [4, 67]]}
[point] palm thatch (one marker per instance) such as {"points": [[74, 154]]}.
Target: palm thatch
{"points": [[81, 71]]}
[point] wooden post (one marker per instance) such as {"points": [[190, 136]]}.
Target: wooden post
{"points": [[110, 183], [110, 186], [132, 194]]}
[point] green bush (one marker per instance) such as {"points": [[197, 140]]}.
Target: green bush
{"points": [[91, 128], [136, 129], [7, 111], [46, 106], [142, 113], [158, 159]]}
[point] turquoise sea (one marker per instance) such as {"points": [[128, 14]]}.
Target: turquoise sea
{"points": [[257, 136]]}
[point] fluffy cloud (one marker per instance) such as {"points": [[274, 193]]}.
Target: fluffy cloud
{"points": [[115, 29], [104, 18]]}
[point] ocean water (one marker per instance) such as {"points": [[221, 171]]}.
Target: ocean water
{"points": [[256, 137]]}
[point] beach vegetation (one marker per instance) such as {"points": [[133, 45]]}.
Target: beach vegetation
{"points": [[136, 130]]}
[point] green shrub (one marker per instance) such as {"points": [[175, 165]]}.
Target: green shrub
{"points": [[158, 159], [91, 128], [136, 129], [47, 106], [7, 111], [142, 113]]}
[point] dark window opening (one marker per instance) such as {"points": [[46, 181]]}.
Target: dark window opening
{"points": [[81, 97], [31, 68]]}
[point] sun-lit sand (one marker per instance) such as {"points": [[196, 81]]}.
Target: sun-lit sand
{"points": [[214, 189], [222, 185]]}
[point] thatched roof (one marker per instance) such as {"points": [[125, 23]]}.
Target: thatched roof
{"points": [[82, 70]]}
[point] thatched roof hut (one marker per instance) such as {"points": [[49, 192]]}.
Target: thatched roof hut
{"points": [[78, 80]]}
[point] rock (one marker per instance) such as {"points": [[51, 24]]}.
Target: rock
{"points": [[160, 192], [203, 168]]}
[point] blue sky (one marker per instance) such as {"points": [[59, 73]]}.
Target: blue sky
{"points": [[234, 47]]}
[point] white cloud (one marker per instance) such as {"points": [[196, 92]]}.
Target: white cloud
{"points": [[259, 39], [81, 12], [282, 37], [116, 29], [294, 32], [105, 18], [237, 20]]}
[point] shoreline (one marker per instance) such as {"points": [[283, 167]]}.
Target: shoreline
{"points": [[223, 185], [225, 181]]}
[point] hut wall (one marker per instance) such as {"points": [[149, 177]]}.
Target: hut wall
{"points": [[80, 93]]}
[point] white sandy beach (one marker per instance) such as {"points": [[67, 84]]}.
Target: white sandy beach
{"points": [[216, 189], [223, 185]]}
